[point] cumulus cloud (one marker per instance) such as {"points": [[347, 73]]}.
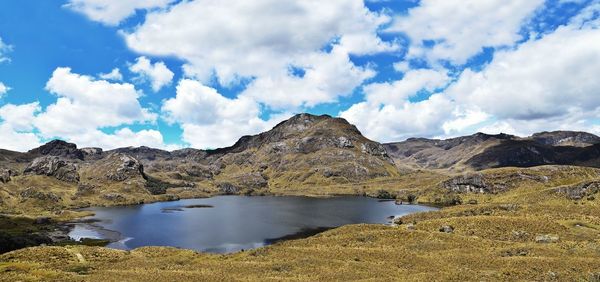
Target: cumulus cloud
{"points": [[388, 115], [261, 40], [542, 79], [210, 120], [114, 75], [15, 121], [84, 107], [113, 12], [460, 29], [327, 76], [156, 73]]}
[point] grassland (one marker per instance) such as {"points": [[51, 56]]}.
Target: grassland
{"points": [[531, 231]]}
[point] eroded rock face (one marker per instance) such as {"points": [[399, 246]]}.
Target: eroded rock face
{"points": [[470, 183], [59, 148], [580, 191], [5, 175], [124, 167], [55, 167]]}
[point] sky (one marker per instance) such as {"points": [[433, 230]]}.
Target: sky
{"points": [[202, 73]]}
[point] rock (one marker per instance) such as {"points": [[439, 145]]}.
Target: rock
{"points": [[55, 167], [92, 151], [470, 183], [114, 197], [374, 149], [252, 180], [411, 227], [447, 229], [228, 188], [58, 148], [5, 175], [546, 238], [472, 202], [383, 194], [35, 194], [85, 189], [344, 142], [124, 167], [580, 191]]}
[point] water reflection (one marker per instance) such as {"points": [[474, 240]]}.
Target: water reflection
{"points": [[232, 223]]}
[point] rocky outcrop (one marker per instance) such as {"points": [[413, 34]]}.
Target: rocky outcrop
{"points": [[580, 191], [566, 138], [123, 167], [228, 188], [470, 183], [37, 194], [58, 148], [252, 180], [5, 175], [491, 182], [54, 166]]}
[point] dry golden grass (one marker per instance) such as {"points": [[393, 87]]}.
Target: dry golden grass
{"points": [[493, 240]]}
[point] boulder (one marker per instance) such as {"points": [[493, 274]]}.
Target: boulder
{"points": [[5, 175], [447, 229], [124, 167], [55, 167], [546, 238]]}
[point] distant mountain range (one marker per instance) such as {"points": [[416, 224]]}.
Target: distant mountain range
{"points": [[304, 151], [482, 151]]}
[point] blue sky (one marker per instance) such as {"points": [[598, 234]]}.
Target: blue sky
{"points": [[203, 73]]}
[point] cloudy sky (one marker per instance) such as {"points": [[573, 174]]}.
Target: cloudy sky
{"points": [[202, 73]]}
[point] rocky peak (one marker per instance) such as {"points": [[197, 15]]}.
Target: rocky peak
{"points": [[58, 148], [566, 138]]}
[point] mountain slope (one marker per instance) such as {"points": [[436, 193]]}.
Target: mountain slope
{"points": [[306, 150], [481, 151]]}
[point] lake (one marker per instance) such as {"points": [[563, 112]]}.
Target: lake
{"points": [[225, 224]]}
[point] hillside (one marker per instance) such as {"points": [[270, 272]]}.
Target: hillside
{"points": [[304, 151], [481, 151], [525, 224]]}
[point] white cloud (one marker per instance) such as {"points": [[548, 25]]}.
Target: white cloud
{"points": [[394, 123], [3, 89], [113, 12], [17, 141], [542, 79], [210, 120], [15, 120], [19, 117], [262, 39], [397, 92], [327, 76], [157, 74], [114, 75], [461, 28], [84, 107]]}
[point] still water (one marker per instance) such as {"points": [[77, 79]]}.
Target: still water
{"points": [[226, 224]]}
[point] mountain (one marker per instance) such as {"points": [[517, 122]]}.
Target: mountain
{"points": [[306, 150], [482, 151]]}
